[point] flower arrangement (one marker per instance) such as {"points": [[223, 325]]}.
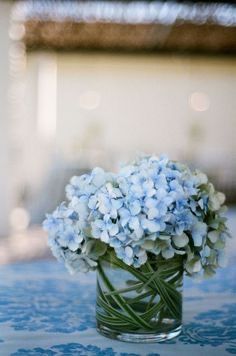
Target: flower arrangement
{"points": [[152, 206], [153, 209]]}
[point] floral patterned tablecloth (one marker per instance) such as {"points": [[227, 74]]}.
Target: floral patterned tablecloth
{"points": [[45, 311]]}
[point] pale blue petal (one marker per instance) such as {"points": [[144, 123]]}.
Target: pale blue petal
{"points": [[197, 240], [150, 225], [168, 253], [153, 213], [105, 236], [180, 240], [113, 229], [134, 223], [135, 207], [129, 252]]}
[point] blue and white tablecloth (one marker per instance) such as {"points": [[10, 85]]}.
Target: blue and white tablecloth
{"points": [[45, 311]]}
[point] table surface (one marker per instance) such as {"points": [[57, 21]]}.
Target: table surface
{"points": [[45, 311]]}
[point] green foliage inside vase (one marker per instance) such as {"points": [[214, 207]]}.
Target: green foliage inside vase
{"points": [[143, 300]]}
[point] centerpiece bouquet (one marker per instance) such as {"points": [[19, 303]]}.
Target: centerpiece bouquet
{"points": [[141, 229]]}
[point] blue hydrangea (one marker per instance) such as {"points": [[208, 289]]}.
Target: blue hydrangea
{"points": [[151, 206]]}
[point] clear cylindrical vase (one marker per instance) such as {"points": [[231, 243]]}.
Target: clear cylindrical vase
{"points": [[139, 304]]}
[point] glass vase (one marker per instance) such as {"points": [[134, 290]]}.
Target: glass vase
{"points": [[139, 305]]}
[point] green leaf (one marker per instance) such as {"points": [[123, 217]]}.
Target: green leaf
{"points": [[163, 280], [169, 295], [122, 303], [95, 249]]}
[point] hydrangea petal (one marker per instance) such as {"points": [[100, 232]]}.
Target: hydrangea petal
{"points": [[151, 225], [180, 240], [213, 236], [168, 253]]}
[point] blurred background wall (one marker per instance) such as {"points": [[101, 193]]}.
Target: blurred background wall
{"points": [[102, 108], [96, 82]]}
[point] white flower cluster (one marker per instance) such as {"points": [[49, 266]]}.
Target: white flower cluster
{"points": [[153, 206]]}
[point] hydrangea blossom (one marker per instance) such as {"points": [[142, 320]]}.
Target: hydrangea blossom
{"points": [[152, 207]]}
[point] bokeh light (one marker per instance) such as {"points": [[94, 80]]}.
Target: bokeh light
{"points": [[199, 101], [19, 219]]}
